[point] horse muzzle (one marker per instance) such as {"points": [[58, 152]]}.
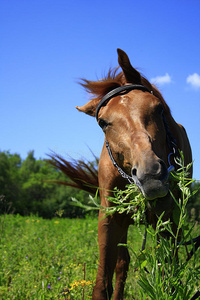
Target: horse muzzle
{"points": [[153, 180]]}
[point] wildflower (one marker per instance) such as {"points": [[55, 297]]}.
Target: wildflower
{"points": [[56, 222], [49, 287], [80, 283], [66, 291]]}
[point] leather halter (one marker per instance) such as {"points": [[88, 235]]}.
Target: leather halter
{"points": [[170, 139], [119, 91]]}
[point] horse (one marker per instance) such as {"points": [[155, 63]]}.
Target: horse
{"points": [[141, 136]]}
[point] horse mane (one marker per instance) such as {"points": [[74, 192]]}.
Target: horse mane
{"points": [[115, 79]]}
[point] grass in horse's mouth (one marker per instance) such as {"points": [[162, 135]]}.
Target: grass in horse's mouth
{"points": [[132, 201]]}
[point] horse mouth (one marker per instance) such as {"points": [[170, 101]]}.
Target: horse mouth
{"points": [[157, 194], [153, 188]]}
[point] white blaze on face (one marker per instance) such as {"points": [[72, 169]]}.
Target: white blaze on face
{"points": [[123, 100]]}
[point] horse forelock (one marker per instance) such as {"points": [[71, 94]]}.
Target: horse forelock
{"points": [[98, 89], [101, 87]]}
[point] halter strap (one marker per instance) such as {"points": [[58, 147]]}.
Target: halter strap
{"points": [[131, 179], [119, 91]]}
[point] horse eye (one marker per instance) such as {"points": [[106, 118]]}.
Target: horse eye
{"points": [[103, 124]]}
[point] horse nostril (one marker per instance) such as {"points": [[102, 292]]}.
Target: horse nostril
{"points": [[159, 170], [134, 172]]}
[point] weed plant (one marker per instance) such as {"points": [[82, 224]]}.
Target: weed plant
{"points": [[161, 275]]}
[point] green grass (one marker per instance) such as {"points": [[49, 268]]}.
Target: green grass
{"points": [[56, 259], [39, 259]]}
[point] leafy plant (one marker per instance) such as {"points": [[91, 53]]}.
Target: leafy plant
{"points": [[160, 274]]}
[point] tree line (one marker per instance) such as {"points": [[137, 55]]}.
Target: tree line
{"points": [[26, 188]]}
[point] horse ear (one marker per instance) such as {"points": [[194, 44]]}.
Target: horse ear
{"points": [[131, 74], [89, 108]]}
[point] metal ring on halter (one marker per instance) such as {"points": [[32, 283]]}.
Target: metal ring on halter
{"points": [[171, 167]]}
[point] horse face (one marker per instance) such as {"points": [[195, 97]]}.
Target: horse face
{"points": [[133, 126]]}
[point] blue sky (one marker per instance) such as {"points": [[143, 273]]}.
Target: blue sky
{"points": [[46, 46]]}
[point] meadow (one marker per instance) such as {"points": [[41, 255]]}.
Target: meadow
{"points": [[56, 259], [52, 259]]}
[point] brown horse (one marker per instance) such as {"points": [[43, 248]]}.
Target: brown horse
{"points": [[140, 135]]}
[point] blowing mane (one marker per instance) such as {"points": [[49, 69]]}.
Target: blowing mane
{"points": [[98, 89]]}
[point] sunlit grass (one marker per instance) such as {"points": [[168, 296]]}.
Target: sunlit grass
{"points": [[58, 259], [42, 257], [50, 259]]}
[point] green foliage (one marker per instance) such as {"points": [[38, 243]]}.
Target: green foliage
{"points": [[128, 201], [58, 258], [27, 187], [161, 275], [47, 259]]}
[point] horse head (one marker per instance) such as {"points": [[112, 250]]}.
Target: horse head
{"points": [[133, 116]]}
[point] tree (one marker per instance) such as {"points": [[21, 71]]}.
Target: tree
{"points": [[9, 177], [28, 186]]}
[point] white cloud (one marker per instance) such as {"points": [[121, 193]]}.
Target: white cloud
{"points": [[161, 79], [194, 80]]}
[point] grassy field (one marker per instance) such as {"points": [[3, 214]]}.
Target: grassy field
{"points": [[54, 259], [40, 258]]}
